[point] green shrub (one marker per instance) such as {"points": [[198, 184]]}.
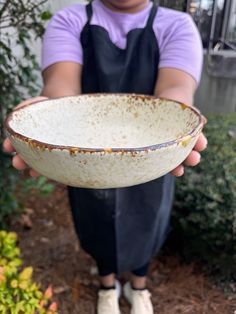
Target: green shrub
{"points": [[18, 79], [39, 186], [18, 293], [204, 216]]}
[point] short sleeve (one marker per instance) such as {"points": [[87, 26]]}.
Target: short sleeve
{"points": [[181, 47], [61, 40]]}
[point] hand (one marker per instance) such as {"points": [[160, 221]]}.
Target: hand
{"points": [[17, 161], [193, 158]]}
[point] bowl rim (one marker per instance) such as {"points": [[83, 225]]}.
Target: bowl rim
{"points": [[74, 149]]}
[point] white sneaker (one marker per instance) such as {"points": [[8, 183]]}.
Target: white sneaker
{"points": [[140, 300], [108, 300]]}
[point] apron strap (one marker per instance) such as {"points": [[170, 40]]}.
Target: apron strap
{"points": [[89, 10], [152, 14]]}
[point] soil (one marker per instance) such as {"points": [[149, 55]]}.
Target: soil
{"points": [[48, 243]]}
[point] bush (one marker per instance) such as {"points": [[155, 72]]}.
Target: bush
{"points": [[204, 216], [18, 293], [18, 79]]}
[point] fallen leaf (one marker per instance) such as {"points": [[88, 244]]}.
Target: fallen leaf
{"points": [[60, 289], [76, 289], [44, 240], [26, 222]]}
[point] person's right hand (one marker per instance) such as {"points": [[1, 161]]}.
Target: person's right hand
{"points": [[17, 161]]}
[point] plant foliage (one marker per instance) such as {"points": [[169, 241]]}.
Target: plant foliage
{"points": [[21, 22], [204, 219], [18, 293]]}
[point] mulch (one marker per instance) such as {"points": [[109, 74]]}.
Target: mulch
{"points": [[49, 244]]}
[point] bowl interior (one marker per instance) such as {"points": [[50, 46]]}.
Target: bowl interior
{"points": [[102, 121]]}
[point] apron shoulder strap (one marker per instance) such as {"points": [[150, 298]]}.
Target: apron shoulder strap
{"points": [[89, 10], [152, 14]]}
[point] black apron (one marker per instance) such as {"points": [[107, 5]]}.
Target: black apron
{"points": [[121, 228]]}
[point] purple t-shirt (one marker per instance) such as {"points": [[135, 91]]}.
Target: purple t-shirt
{"points": [[178, 38]]}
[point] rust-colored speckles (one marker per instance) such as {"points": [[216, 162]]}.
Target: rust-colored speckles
{"points": [[29, 141], [83, 162], [108, 150], [38, 146], [73, 151], [108, 106], [204, 120], [185, 141], [134, 153], [184, 106], [139, 97], [34, 144], [86, 151]]}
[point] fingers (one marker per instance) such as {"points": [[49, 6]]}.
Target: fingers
{"points": [[178, 172], [18, 163], [201, 143], [193, 159], [8, 147], [31, 101], [34, 173]]}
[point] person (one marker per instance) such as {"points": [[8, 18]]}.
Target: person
{"points": [[122, 46]]}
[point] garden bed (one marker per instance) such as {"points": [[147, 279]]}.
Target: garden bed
{"points": [[49, 244]]}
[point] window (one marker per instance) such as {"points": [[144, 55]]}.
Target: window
{"points": [[231, 34], [216, 21], [209, 17]]}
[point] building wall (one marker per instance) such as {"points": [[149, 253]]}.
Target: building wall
{"points": [[56, 5], [216, 94]]}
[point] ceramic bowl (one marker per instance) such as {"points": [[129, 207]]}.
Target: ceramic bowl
{"points": [[104, 140]]}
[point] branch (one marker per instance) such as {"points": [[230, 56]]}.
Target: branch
{"points": [[21, 19], [4, 7]]}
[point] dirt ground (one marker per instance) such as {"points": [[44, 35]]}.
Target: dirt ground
{"points": [[48, 243]]}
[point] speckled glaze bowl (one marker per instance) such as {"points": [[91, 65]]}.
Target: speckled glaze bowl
{"points": [[104, 140]]}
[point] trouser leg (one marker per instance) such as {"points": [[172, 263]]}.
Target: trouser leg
{"points": [[142, 271]]}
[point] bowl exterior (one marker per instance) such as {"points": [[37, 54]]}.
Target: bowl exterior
{"points": [[105, 169]]}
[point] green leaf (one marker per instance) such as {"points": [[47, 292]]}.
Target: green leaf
{"points": [[204, 213], [46, 15]]}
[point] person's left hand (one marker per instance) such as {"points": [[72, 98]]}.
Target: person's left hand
{"points": [[193, 158]]}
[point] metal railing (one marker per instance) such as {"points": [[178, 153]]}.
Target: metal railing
{"points": [[220, 52]]}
